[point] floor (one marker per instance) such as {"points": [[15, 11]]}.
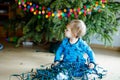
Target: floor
{"points": [[23, 59]]}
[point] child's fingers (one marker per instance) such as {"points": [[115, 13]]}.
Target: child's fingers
{"points": [[91, 65]]}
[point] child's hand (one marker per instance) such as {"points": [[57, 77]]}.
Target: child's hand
{"points": [[91, 65], [54, 64]]}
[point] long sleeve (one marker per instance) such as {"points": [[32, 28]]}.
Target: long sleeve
{"points": [[59, 52], [89, 52]]}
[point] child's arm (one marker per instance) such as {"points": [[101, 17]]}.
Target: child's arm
{"points": [[90, 54], [59, 51], [58, 55]]}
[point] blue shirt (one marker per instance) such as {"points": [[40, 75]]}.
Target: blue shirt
{"points": [[74, 52]]}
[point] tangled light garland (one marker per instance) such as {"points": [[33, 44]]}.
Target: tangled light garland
{"points": [[38, 10]]}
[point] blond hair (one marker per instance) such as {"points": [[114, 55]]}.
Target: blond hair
{"points": [[78, 28]]}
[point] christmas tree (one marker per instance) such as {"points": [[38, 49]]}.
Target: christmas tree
{"points": [[46, 19]]}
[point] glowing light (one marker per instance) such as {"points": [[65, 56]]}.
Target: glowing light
{"points": [[53, 14], [30, 3], [46, 16], [71, 10], [65, 10], [103, 5], [31, 9], [43, 8], [78, 9], [20, 6], [28, 6], [25, 9], [88, 10], [48, 9], [39, 16], [63, 15], [35, 13], [19, 3], [80, 13], [43, 12], [25, 5], [58, 14], [49, 13], [39, 12]]}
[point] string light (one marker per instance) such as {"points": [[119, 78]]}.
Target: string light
{"points": [[73, 12]]}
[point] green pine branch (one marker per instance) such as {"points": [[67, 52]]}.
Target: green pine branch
{"points": [[102, 24]]}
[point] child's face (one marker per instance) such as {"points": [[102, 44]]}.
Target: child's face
{"points": [[68, 32]]}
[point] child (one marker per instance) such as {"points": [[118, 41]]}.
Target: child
{"points": [[73, 64], [73, 47], [69, 62]]}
